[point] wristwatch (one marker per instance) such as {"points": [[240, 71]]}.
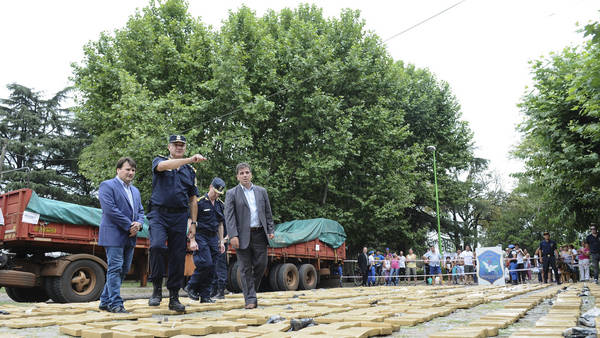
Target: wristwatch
{"points": [[194, 223]]}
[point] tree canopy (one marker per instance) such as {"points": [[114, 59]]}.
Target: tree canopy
{"points": [[42, 144], [561, 133], [331, 125]]}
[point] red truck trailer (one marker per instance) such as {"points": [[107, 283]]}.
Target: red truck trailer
{"points": [[43, 257], [301, 254]]}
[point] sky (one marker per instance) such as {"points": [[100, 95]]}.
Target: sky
{"points": [[481, 48]]}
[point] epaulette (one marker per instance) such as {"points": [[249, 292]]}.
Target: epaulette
{"points": [[202, 198], [162, 156], [218, 199]]}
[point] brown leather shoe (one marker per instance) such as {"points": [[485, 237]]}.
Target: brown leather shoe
{"points": [[250, 306]]}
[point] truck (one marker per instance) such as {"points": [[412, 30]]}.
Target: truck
{"points": [[49, 250], [301, 255]]}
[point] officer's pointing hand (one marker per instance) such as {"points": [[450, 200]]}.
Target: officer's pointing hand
{"points": [[197, 158]]}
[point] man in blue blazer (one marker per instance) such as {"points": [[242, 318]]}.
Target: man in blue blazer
{"points": [[122, 218]]}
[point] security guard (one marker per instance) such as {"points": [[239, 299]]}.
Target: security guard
{"points": [[547, 252], [208, 240], [220, 280], [173, 200]]}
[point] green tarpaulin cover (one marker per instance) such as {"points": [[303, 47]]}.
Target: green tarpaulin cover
{"points": [[63, 212], [327, 231]]}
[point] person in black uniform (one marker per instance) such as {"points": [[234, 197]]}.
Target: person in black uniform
{"points": [[547, 253], [209, 242], [173, 200], [593, 240], [220, 280], [363, 264]]}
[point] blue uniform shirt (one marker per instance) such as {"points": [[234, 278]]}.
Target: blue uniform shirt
{"points": [[548, 247], [172, 188], [209, 215]]}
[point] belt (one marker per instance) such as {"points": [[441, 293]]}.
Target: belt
{"points": [[170, 210], [256, 228], [206, 232]]}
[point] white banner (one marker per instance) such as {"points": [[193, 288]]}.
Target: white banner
{"points": [[1, 217], [30, 217], [490, 267]]}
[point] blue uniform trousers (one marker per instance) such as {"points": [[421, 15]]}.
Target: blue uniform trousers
{"points": [[514, 275], [168, 238], [204, 258], [220, 281], [372, 275]]}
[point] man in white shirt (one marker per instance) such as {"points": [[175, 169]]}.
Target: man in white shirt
{"points": [[434, 264], [469, 268]]}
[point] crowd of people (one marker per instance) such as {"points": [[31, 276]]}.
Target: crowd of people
{"points": [[392, 267], [550, 262]]}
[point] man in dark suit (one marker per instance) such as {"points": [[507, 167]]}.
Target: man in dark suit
{"points": [[363, 264], [122, 218], [249, 222]]}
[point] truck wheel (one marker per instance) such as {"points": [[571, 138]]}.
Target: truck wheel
{"points": [[48, 284], [287, 277], [308, 277], [27, 295], [236, 277], [82, 281], [273, 277]]}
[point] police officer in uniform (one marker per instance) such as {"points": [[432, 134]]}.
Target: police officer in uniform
{"points": [[547, 253], [173, 201], [208, 240], [220, 280]]}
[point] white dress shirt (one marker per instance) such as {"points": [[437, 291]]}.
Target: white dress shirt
{"points": [[251, 199]]}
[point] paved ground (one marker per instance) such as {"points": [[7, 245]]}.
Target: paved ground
{"points": [[406, 311]]}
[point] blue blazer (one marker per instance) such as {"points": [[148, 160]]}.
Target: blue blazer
{"points": [[117, 214]]}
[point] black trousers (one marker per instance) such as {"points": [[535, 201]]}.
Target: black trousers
{"points": [[550, 261], [365, 277], [253, 263]]}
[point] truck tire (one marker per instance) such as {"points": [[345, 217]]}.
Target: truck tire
{"points": [[48, 285], [27, 295], [287, 277], [236, 277], [82, 281], [308, 277], [273, 277]]}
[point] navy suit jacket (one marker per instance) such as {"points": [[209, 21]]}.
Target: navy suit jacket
{"points": [[117, 214]]}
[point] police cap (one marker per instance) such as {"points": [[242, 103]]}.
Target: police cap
{"points": [[177, 138], [218, 184]]}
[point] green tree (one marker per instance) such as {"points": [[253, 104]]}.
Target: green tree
{"points": [[315, 104], [561, 132], [42, 139]]}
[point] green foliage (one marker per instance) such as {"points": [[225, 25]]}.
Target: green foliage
{"points": [[331, 125], [562, 132], [41, 137]]}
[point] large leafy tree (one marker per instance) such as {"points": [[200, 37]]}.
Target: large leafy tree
{"points": [[42, 144], [562, 132], [315, 104]]}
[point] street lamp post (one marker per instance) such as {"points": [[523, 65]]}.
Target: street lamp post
{"points": [[437, 200]]}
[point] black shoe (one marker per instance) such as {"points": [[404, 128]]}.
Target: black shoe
{"points": [[156, 295], [220, 294], [102, 307], [118, 309], [213, 292], [174, 303], [206, 300], [191, 293]]}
